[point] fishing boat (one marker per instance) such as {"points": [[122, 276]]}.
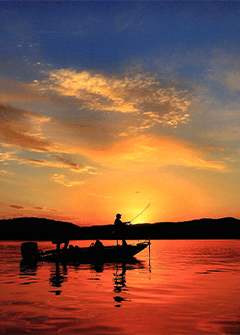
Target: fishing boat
{"points": [[95, 253]]}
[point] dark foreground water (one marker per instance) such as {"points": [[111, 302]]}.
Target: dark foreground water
{"points": [[182, 287]]}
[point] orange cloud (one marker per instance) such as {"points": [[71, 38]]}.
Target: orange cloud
{"points": [[22, 129], [149, 150], [140, 94], [61, 179]]}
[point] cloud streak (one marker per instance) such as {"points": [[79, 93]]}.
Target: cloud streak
{"points": [[17, 207], [23, 129], [140, 152], [14, 92], [61, 163], [61, 179]]}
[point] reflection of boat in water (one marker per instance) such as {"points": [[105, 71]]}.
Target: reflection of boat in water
{"points": [[57, 277], [96, 253], [120, 285]]}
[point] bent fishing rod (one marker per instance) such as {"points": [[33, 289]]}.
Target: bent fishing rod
{"points": [[141, 212]]}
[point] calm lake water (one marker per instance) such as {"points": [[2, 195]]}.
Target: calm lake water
{"points": [[181, 287]]}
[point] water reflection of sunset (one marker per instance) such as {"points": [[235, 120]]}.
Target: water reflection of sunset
{"points": [[179, 287]]}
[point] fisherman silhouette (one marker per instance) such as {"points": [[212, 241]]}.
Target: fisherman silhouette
{"points": [[98, 245], [120, 229]]}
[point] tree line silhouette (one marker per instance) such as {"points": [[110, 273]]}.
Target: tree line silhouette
{"points": [[40, 229]]}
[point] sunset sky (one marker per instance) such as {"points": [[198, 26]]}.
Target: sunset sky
{"points": [[108, 106]]}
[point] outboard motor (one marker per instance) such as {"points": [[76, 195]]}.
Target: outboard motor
{"points": [[29, 251]]}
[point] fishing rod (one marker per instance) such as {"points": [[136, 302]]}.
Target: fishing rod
{"points": [[141, 211]]}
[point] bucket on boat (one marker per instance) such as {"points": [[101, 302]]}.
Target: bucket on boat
{"points": [[29, 250]]}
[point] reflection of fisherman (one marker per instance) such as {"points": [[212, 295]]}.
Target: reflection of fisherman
{"points": [[120, 228]]}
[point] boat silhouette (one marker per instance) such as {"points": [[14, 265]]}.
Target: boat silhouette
{"points": [[95, 253]]}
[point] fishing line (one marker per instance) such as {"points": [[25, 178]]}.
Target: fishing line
{"points": [[141, 211]]}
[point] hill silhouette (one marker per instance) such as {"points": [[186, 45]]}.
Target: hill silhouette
{"points": [[38, 229]]}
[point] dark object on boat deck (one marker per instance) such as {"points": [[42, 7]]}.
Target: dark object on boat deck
{"points": [[59, 241], [29, 251]]}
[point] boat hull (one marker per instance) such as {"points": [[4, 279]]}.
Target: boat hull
{"points": [[93, 254]]}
